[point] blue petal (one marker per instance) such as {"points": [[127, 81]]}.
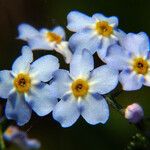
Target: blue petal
{"points": [[117, 58], [78, 21], [81, 64], [138, 44], [111, 20], [130, 81], [6, 83], [105, 43], [39, 42], [42, 98], [44, 67], [147, 79], [109, 41], [120, 35], [62, 81], [17, 109], [103, 80], [85, 39], [26, 32], [27, 54], [66, 112], [99, 16], [22, 63], [60, 31], [63, 49], [32, 144], [95, 110]]}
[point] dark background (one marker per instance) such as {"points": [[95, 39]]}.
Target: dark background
{"points": [[133, 15]]}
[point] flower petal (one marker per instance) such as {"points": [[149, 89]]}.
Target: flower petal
{"points": [[63, 49], [27, 54], [42, 98], [62, 81], [102, 51], [22, 63], [78, 21], [66, 112], [111, 20], [6, 83], [130, 81], [39, 43], [136, 43], [95, 111], [120, 35], [116, 57], [43, 68], [26, 32], [103, 79], [99, 16], [17, 109], [81, 64], [85, 39], [147, 79], [60, 31]]}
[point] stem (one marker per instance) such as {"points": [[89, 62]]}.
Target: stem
{"points": [[117, 93], [111, 100], [2, 145]]}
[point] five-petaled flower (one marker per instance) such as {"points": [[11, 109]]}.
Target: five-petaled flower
{"points": [[80, 90], [46, 39], [95, 33], [132, 57], [25, 89], [14, 135]]}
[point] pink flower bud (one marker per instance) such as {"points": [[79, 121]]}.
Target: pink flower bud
{"points": [[134, 113]]}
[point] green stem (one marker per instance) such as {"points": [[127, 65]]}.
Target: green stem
{"points": [[2, 145], [111, 100]]}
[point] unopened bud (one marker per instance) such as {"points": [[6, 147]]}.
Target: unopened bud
{"points": [[134, 113]]}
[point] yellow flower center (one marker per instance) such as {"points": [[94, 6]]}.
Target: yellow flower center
{"points": [[140, 66], [22, 83], [80, 88], [9, 131], [53, 37], [103, 28]]}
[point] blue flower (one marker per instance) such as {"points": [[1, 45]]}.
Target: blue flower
{"points": [[95, 33], [25, 89], [80, 90], [46, 39], [14, 135], [133, 59]]}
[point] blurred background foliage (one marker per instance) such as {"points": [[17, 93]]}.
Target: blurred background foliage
{"points": [[133, 16]]}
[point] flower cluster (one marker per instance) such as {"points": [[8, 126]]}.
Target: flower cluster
{"points": [[44, 87]]}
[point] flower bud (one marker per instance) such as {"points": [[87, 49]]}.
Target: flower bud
{"points": [[134, 113]]}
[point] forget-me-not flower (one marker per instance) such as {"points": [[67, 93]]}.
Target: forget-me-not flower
{"points": [[20, 138], [95, 33], [45, 39], [81, 89], [133, 59], [25, 89]]}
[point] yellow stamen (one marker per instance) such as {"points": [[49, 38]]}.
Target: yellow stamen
{"points": [[80, 88], [22, 83], [9, 131], [140, 66], [103, 28], [53, 37]]}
